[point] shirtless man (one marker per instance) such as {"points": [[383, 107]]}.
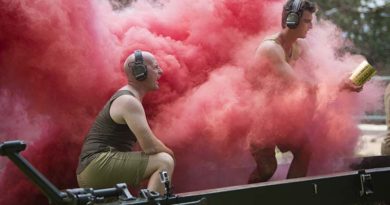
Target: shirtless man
{"points": [[385, 149], [279, 52]]}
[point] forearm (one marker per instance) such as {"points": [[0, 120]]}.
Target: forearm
{"points": [[155, 146]]}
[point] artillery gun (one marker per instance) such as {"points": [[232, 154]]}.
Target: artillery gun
{"points": [[364, 186]]}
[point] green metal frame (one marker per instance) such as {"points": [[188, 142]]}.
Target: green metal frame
{"points": [[367, 186]]}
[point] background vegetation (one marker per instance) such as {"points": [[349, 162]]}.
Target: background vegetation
{"points": [[366, 23]]}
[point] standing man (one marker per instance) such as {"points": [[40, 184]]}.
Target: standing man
{"points": [[385, 150], [107, 157], [278, 53]]}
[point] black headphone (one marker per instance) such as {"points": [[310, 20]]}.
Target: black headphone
{"points": [[138, 67], [294, 15]]}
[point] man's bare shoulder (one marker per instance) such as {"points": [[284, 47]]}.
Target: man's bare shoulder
{"points": [[124, 107], [269, 45], [269, 48], [127, 103]]}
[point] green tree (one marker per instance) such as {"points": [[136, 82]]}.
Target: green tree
{"points": [[366, 23]]}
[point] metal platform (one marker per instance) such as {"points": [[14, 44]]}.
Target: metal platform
{"points": [[365, 186]]}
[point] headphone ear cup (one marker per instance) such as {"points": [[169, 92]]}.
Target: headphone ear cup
{"points": [[139, 71], [292, 20]]}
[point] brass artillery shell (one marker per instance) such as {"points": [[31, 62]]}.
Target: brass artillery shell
{"points": [[362, 73]]}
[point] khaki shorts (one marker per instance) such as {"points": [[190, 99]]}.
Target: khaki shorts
{"points": [[113, 167]]}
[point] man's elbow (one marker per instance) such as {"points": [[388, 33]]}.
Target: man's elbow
{"points": [[150, 150]]}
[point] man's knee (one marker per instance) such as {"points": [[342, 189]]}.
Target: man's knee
{"points": [[165, 161]]}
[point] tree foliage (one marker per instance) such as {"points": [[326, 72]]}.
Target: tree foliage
{"points": [[366, 23]]}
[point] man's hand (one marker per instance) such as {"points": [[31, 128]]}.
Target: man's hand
{"points": [[347, 84]]}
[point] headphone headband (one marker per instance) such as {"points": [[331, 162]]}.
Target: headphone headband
{"points": [[296, 6], [139, 68], [138, 57], [294, 15]]}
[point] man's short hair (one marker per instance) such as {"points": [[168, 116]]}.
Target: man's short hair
{"points": [[306, 5]]}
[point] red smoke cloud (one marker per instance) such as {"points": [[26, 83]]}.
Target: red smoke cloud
{"points": [[61, 60]]}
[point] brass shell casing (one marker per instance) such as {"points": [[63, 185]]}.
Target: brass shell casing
{"points": [[362, 73]]}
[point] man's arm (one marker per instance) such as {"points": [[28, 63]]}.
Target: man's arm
{"points": [[273, 55], [129, 110], [346, 83]]}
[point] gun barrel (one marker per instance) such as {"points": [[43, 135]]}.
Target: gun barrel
{"points": [[11, 149]]}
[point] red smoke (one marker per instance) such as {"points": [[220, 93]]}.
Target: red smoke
{"points": [[60, 61]]}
